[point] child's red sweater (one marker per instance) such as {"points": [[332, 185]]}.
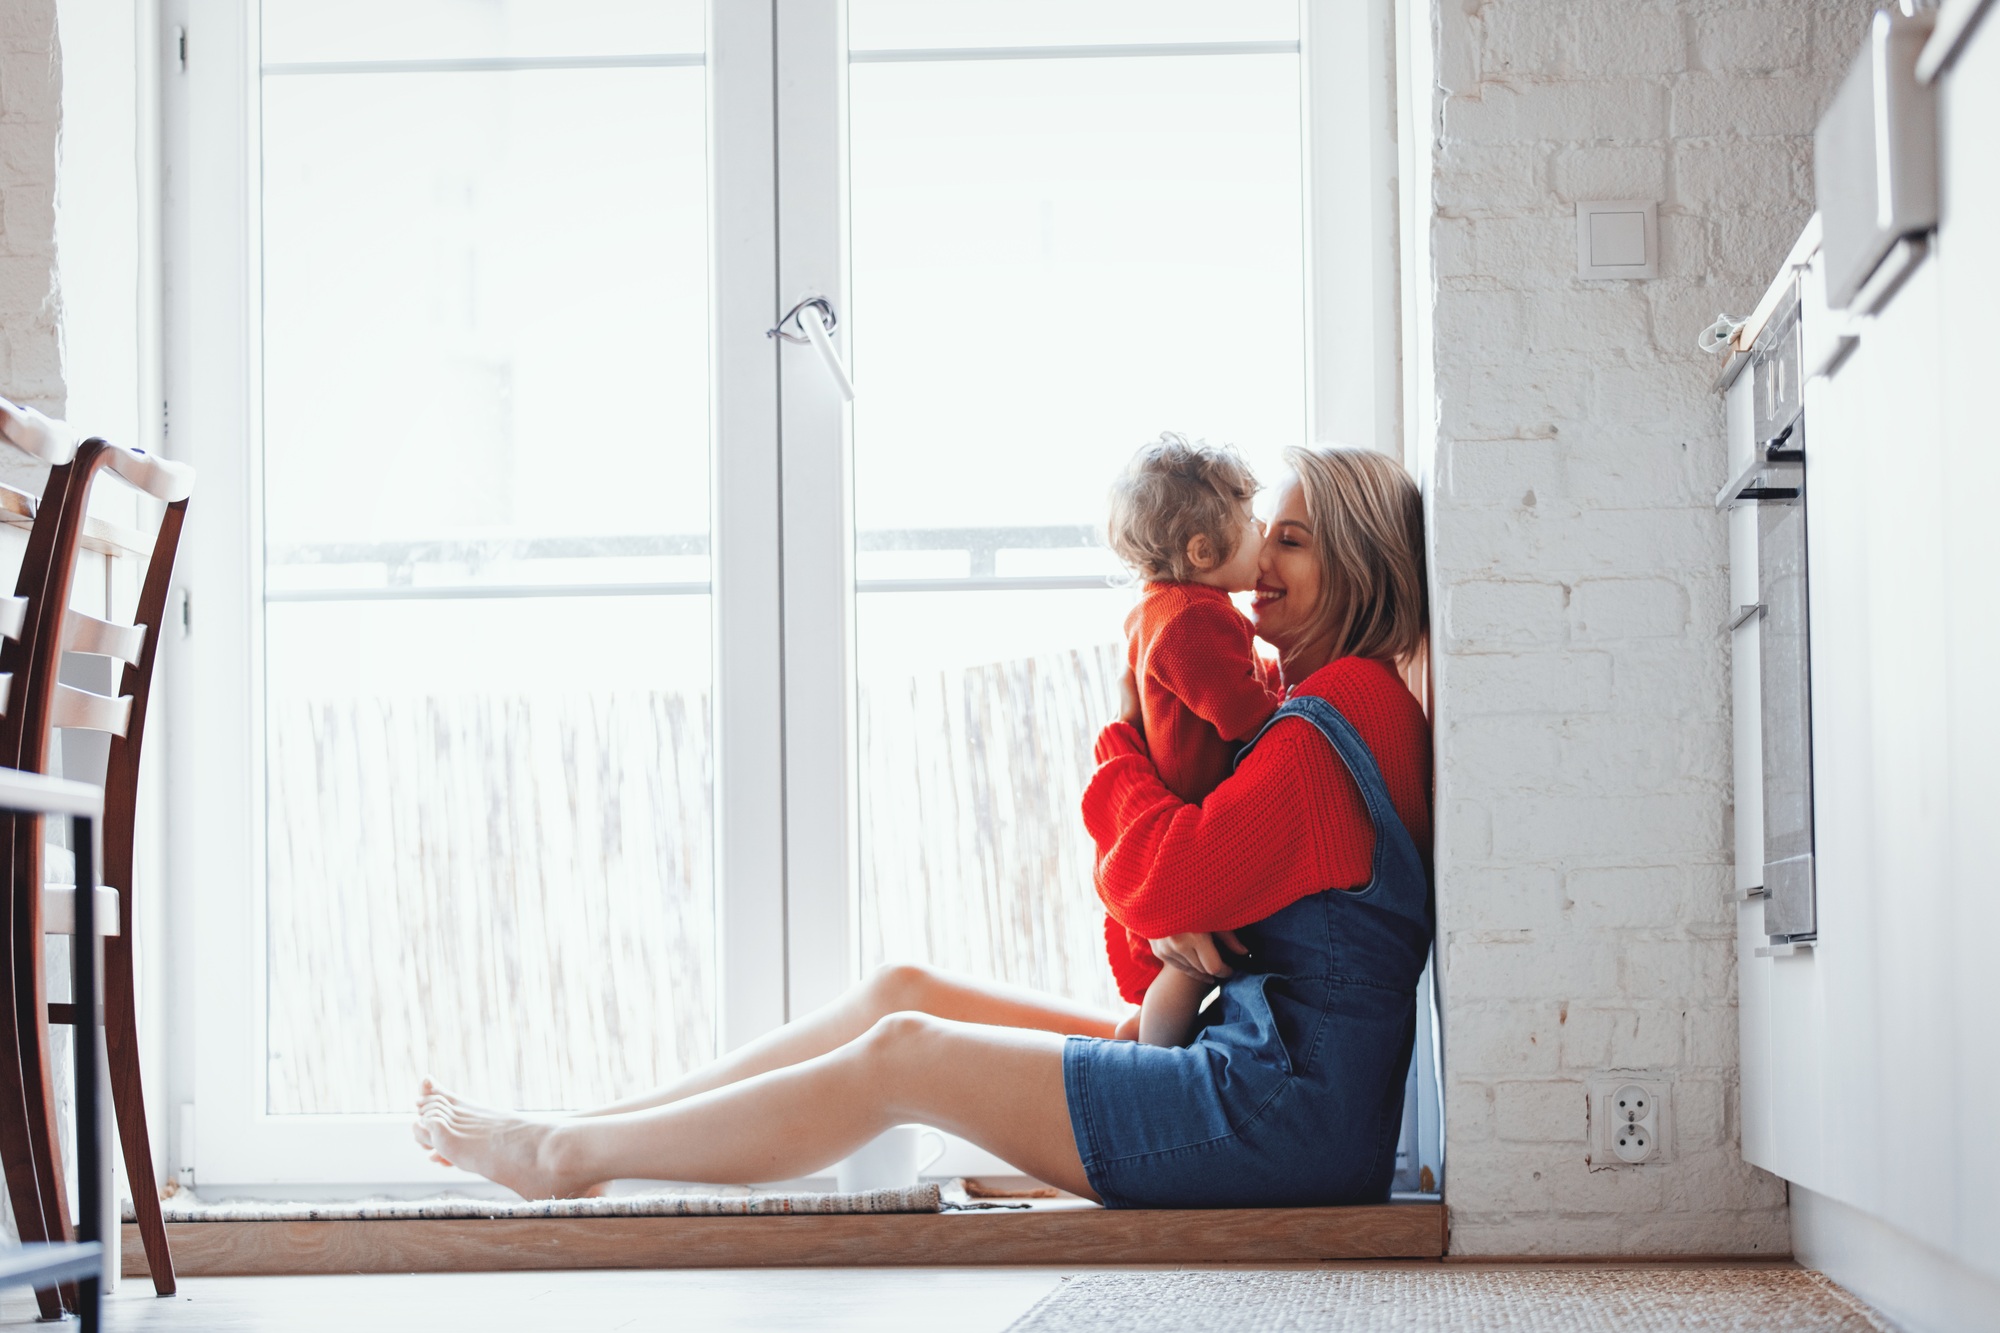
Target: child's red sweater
{"points": [[1288, 823], [1202, 693]]}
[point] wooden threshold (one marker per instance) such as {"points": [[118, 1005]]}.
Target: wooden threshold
{"points": [[1042, 1236]]}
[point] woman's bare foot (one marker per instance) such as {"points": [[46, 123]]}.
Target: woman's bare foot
{"points": [[507, 1149]]}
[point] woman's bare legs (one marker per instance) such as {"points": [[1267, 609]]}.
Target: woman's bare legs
{"points": [[899, 988], [1000, 1087]]}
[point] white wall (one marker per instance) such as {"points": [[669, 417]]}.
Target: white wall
{"points": [[1875, 1059], [1583, 771], [31, 368]]}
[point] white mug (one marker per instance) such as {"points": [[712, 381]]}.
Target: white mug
{"points": [[889, 1161]]}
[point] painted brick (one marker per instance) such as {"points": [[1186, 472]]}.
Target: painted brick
{"points": [[1614, 315], [1512, 401], [1635, 471], [1501, 178], [1468, 1112], [1700, 1113], [1504, 750], [1673, 969], [1506, 1037], [1708, 105], [1521, 39], [1526, 965], [1465, 829], [1497, 614], [1760, 173], [1564, 684], [1505, 472], [1572, 112], [1603, 609], [1622, 39], [1712, 1037], [1616, 897], [1540, 1112], [1536, 250], [1623, 171], [1599, 1038], [1510, 898], [1541, 828], [1753, 41]]}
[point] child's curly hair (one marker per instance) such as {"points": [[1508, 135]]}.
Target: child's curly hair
{"points": [[1172, 492]]}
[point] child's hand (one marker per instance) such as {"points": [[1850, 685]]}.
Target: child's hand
{"points": [[1196, 953], [1128, 1028], [1128, 700]]}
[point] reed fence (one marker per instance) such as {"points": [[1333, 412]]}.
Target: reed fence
{"points": [[514, 893]]}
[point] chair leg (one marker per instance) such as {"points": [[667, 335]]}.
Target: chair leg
{"points": [[31, 1025], [121, 1047], [16, 1147]]}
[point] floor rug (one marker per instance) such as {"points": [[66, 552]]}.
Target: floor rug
{"points": [[1421, 1299], [186, 1207]]}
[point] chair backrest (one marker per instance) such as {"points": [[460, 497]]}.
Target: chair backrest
{"points": [[54, 443], [39, 703]]}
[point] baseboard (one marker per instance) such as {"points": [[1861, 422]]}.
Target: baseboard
{"points": [[1085, 1236]]}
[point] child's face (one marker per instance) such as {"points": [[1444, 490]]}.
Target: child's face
{"points": [[1239, 572]]}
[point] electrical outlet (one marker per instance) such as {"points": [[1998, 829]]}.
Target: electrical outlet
{"points": [[1630, 1120]]}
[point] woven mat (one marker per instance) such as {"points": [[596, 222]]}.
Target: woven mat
{"points": [[186, 1207], [1594, 1300]]}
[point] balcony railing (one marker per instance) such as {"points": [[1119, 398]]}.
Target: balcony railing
{"points": [[460, 568]]}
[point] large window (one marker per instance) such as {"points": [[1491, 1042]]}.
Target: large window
{"points": [[617, 689]]}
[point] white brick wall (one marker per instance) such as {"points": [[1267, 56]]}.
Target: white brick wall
{"points": [[31, 367], [1583, 760]]}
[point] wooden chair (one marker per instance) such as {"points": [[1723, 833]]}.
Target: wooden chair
{"points": [[40, 705]]}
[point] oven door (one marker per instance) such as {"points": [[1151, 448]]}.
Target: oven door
{"points": [[1786, 698]]}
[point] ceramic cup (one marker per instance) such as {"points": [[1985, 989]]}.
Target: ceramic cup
{"points": [[890, 1161]]}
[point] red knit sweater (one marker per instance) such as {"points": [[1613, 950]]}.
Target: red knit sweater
{"points": [[1201, 690], [1288, 823]]}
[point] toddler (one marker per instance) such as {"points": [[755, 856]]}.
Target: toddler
{"points": [[1181, 520]]}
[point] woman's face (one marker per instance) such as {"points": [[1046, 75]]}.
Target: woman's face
{"points": [[1289, 577]]}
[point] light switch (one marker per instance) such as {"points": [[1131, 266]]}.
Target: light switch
{"points": [[1617, 238]]}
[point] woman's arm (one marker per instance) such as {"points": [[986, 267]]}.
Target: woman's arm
{"points": [[1288, 822]]}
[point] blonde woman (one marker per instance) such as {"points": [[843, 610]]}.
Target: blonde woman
{"points": [[1311, 857]]}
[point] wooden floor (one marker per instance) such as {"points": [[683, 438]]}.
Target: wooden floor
{"points": [[809, 1300]]}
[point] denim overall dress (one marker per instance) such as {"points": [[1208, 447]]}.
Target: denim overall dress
{"points": [[1292, 1095]]}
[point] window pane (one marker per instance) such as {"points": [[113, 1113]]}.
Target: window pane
{"points": [[1053, 260], [485, 382], [300, 31], [874, 25]]}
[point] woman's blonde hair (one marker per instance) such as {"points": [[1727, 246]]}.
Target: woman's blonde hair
{"points": [[1368, 528], [1171, 492]]}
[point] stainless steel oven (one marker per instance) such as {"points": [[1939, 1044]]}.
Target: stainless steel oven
{"points": [[1775, 482]]}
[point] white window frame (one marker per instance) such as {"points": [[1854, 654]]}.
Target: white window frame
{"points": [[782, 532]]}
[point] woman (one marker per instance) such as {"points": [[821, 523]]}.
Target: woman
{"points": [[1308, 853]]}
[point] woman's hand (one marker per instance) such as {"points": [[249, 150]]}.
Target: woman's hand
{"points": [[1197, 953], [1128, 700]]}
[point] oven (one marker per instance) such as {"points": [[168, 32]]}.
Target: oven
{"points": [[1771, 485]]}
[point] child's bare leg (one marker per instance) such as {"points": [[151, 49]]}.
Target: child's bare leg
{"points": [[899, 988], [1002, 1088], [1167, 1015]]}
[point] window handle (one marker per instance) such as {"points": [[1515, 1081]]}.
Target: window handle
{"points": [[815, 319]]}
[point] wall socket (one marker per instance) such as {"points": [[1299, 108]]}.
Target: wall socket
{"points": [[1631, 1119]]}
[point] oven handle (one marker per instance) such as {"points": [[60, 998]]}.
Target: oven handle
{"points": [[1744, 615]]}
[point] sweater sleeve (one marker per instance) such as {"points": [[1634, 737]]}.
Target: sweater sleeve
{"points": [[1206, 657], [1287, 823]]}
